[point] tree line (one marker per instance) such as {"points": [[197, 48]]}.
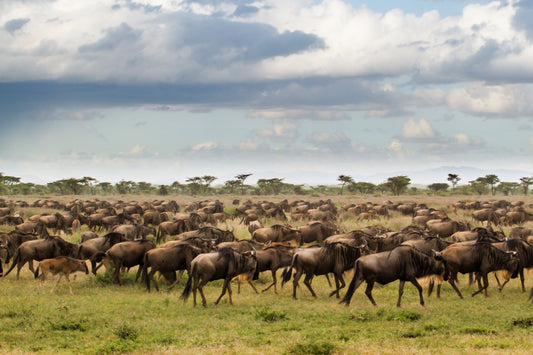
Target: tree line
{"points": [[203, 185]]}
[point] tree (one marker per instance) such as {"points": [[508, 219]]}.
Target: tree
{"points": [[508, 188], [208, 180], [231, 185], [144, 187], [345, 179], [436, 187], [125, 187], [525, 182], [479, 185], [241, 178], [398, 184], [492, 180], [454, 179], [362, 187], [194, 184], [106, 187], [270, 186], [163, 190]]}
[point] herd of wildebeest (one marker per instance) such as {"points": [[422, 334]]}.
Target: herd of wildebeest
{"points": [[165, 238]]}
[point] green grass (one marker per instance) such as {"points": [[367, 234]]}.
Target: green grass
{"points": [[102, 318]]}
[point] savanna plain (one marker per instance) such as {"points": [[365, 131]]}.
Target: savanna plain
{"points": [[105, 318]]}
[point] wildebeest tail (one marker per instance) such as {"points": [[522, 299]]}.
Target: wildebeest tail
{"points": [[287, 272], [16, 259], [188, 287], [351, 289], [97, 257]]}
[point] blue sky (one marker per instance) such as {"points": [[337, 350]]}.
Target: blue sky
{"points": [[160, 91]]}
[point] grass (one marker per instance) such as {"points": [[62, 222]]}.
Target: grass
{"points": [[104, 318]]}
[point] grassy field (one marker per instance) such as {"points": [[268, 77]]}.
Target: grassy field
{"points": [[104, 318]]}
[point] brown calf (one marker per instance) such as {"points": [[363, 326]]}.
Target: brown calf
{"points": [[62, 265]]}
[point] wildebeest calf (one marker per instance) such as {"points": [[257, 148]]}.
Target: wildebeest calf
{"points": [[62, 265]]}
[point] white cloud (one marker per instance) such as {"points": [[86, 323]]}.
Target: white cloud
{"points": [[395, 146], [281, 130], [417, 130], [205, 146], [481, 99], [463, 139]]}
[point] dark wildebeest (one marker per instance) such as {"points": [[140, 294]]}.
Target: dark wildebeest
{"points": [[333, 258], [168, 260], [41, 249], [224, 264], [480, 258], [278, 234], [403, 263], [524, 252], [427, 245], [13, 240], [170, 228], [317, 231], [91, 247], [128, 254]]}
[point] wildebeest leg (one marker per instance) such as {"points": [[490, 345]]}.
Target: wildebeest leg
{"points": [[180, 274], [339, 283], [431, 285], [116, 273], [139, 271], [68, 283], [57, 283], [30, 265], [451, 280], [149, 277], [400, 293], [307, 282], [417, 285], [224, 287], [327, 278], [368, 292], [274, 281], [470, 279], [252, 285], [521, 272], [295, 280], [482, 287], [498, 282]]}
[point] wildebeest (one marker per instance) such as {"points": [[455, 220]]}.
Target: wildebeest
{"points": [[524, 252], [41, 249], [224, 264], [62, 265], [316, 231], [333, 258], [170, 228], [91, 247], [481, 258], [168, 260], [279, 234], [128, 254], [403, 263]]}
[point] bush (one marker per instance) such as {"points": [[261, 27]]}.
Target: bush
{"points": [[267, 315], [314, 348]]}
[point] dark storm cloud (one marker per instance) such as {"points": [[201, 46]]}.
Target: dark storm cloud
{"points": [[14, 25], [112, 39], [220, 42]]}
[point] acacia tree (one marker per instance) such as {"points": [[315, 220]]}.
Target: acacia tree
{"points": [[194, 184], [273, 185], [208, 180], [362, 187], [454, 179], [345, 179], [231, 185], [241, 178], [479, 185], [397, 184], [492, 180], [525, 182], [436, 187], [508, 187]]}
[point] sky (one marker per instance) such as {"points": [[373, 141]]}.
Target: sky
{"points": [[305, 90]]}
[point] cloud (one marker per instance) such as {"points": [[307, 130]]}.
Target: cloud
{"points": [[322, 115], [395, 146], [417, 130], [205, 146], [14, 25], [248, 145], [282, 130], [331, 142], [479, 99], [113, 38]]}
